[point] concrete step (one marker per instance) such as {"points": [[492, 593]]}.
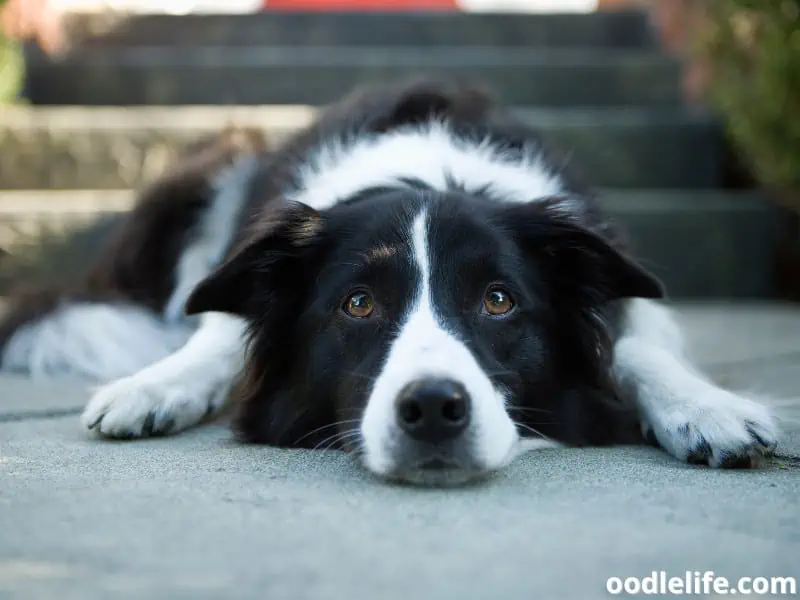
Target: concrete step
{"points": [[703, 244], [158, 75], [618, 29], [74, 148]]}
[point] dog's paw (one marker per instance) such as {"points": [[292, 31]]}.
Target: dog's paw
{"points": [[135, 407], [718, 429]]}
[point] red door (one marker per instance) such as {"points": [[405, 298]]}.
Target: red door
{"points": [[371, 5]]}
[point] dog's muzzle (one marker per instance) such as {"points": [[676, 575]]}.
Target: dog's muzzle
{"points": [[432, 418]]}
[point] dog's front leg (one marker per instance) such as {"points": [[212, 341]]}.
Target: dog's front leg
{"points": [[178, 391], [691, 418]]}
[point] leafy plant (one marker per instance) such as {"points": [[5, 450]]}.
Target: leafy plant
{"points": [[11, 68], [752, 51]]}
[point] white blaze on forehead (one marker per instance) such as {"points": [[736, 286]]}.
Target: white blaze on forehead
{"points": [[431, 153], [424, 348]]}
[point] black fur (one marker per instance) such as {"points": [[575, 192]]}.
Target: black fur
{"points": [[310, 366]]}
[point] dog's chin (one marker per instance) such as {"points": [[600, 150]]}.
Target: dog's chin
{"points": [[441, 478], [434, 473]]}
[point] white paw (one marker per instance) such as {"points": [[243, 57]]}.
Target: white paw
{"points": [[718, 428], [137, 406]]}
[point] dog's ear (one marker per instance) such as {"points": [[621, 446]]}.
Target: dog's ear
{"points": [[583, 258], [271, 261], [579, 262], [422, 100], [381, 108]]}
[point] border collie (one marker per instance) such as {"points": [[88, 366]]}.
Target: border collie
{"points": [[412, 279]]}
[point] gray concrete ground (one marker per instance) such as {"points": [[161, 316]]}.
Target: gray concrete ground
{"points": [[197, 516]]}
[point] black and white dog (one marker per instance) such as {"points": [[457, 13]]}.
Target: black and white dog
{"points": [[411, 278]]}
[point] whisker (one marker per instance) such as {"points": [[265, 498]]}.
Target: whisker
{"points": [[362, 375], [313, 431], [342, 434], [534, 431], [530, 409], [502, 373], [342, 439], [333, 439]]}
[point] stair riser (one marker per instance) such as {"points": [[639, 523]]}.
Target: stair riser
{"points": [[599, 30], [541, 83], [668, 153], [715, 249]]}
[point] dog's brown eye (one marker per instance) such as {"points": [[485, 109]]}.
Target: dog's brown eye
{"points": [[359, 305], [497, 302]]}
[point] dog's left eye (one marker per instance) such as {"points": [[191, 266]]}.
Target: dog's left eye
{"points": [[359, 305], [497, 302]]}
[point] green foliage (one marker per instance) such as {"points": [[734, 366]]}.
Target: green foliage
{"points": [[11, 65], [752, 48]]}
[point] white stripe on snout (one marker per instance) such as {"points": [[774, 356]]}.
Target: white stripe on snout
{"points": [[424, 348]]}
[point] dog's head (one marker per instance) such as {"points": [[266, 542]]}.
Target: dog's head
{"points": [[427, 331]]}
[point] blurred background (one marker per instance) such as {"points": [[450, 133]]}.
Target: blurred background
{"points": [[685, 113]]}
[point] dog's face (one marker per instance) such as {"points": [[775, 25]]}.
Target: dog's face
{"points": [[428, 332]]}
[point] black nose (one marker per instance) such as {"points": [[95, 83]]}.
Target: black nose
{"points": [[433, 410]]}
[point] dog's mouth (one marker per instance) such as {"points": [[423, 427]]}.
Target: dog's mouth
{"points": [[435, 470], [445, 472], [439, 477], [437, 463]]}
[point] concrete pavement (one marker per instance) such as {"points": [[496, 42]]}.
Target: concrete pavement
{"points": [[197, 516]]}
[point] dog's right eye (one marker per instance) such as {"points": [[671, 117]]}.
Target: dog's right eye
{"points": [[359, 305], [498, 302]]}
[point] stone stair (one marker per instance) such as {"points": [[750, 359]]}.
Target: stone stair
{"points": [[320, 74], [602, 30], [73, 148], [595, 85]]}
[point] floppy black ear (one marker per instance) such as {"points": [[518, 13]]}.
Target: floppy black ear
{"points": [[422, 100], [381, 108], [271, 261], [583, 262], [586, 259]]}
